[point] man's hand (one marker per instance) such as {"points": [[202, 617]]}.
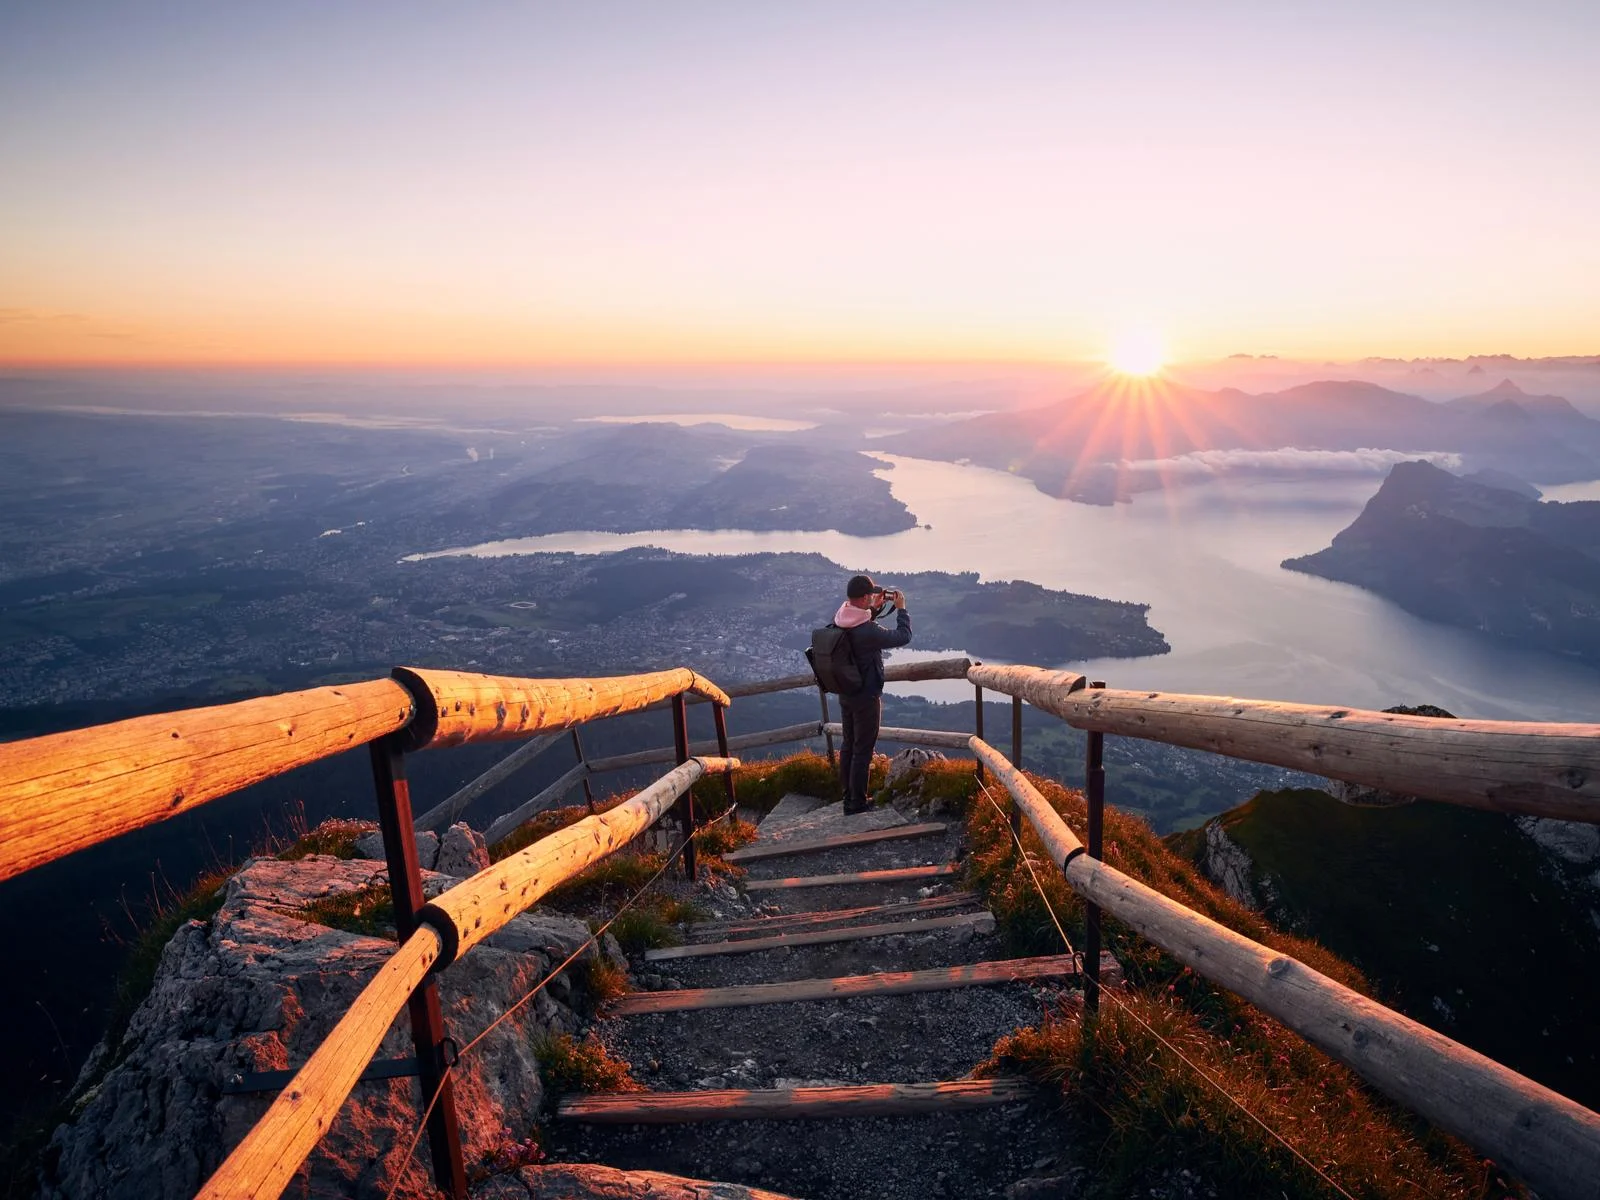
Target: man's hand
{"points": [[898, 597]]}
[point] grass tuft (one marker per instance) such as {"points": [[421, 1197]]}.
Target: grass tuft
{"points": [[1149, 1111], [567, 1065], [335, 836], [368, 911], [600, 978], [1152, 1111], [641, 928]]}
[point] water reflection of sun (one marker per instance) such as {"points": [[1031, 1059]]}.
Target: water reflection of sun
{"points": [[1137, 352]]}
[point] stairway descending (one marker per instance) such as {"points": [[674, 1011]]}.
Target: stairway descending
{"points": [[865, 994]]}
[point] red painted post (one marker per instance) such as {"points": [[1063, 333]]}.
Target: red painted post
{"points": [[685, 805], [1016, 760], [1094, 787], [719, 716], [588, 791], [427, 1019], [977, 724]]}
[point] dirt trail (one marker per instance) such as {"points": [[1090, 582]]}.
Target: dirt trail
{"points": [[1014, 1149]]}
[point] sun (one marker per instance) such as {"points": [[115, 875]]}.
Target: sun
{"points": [[1137, 352]]}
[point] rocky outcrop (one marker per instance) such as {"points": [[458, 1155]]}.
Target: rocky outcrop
{"points": [[1228, 866], [460, 853], [256, 989]]}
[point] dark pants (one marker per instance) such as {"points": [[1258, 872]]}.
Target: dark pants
{"points": [[860, 716]]}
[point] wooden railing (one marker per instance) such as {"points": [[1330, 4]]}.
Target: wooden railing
{"points": [[1531, 768], [67, 791], [270, 1154]]}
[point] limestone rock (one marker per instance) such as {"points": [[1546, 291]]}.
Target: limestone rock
{"points": [[912, 758], [370, 845], [257, 988], [1575, 842], [462, 852], [1229, 866]]}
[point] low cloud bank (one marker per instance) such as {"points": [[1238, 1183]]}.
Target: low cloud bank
{"points": [[1338, 462]]}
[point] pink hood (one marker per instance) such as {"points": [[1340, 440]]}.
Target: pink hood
{"points": [[849, 616]]}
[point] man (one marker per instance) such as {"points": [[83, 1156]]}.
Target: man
{"points": [[862, 713]]}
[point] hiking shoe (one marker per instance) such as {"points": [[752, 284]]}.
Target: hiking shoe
{"points": [[851, 810]]}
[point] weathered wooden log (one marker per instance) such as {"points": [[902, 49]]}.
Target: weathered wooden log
{"points": [[591, 1181], [66, 791], [861, 1100], [782, 849], [745, 741], [883, 983], [983, 922], [264, 1162], [1059, 840], [890, 875], [475, 908], [454, 707], [716, 930], [1539, 1135], [548, 798], [442, 815], [1543, 769], [911, 737]]}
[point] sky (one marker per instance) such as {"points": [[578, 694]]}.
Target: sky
{"points": [[676, 181]]}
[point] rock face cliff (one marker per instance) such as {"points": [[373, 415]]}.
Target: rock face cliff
{"points": [[257, 988], [1484, 926], [1483, 558]]}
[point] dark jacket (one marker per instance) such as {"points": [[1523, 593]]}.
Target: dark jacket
{"points": [[867, 644]]}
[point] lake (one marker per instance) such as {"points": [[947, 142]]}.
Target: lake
{"points": [[1205, 558]]}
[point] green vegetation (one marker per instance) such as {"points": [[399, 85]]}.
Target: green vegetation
{"points": [[368, 911], [1458, 917], [335, 836], [568, 1065], [1151, 1111]]}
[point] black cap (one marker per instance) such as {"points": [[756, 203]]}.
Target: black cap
{"points": [[859, 586]]}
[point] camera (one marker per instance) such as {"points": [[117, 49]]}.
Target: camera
{"points": [[886, 606]]}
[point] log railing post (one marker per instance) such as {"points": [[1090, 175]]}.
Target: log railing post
{"points": [[1094, 788], [719, 717], [588, 790], [833, 757], [427, 1018], [1016, 759], [977, 722], [685, 805]]}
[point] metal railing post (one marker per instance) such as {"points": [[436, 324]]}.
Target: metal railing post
{"points": [[719, 717], [427, 1018], [1016, 759], [833, 757], [1094, 787], [685, 804], [977, 723], [588, 791]]}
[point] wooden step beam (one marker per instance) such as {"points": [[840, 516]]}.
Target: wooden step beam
{"points": [[726, 929], [886, 983], [733, 1104], [816, 845], [892, 875], [981, 921]]}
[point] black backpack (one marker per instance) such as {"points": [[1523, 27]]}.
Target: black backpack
{"points": [[832, 661]]}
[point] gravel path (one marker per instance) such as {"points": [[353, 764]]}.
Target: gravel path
{"points": [[1016, 1151]]}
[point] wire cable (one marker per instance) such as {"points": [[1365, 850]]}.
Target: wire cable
{"points": [[1026, 858]]}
